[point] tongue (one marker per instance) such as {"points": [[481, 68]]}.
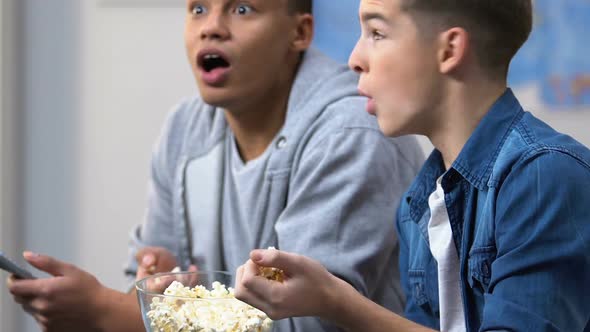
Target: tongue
{"points": [[215, 76]]}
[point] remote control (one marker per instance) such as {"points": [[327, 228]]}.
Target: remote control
{"points": [[9, 266]]}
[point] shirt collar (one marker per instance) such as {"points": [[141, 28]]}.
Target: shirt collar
{"points": [[424, 185], [476, 159]]}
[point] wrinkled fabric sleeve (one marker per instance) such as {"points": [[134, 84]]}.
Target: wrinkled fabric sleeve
{"points": [[341, 212], [540, 277]]}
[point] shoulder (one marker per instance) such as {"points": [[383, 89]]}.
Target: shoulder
{"points": [[534, 144], [545, 165], [547, 177], [326, 106], [544, 193], [346, 122], [191, 115], [190, 127]]}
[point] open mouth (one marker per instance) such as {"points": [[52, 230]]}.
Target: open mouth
{"points": [[209, 61]]}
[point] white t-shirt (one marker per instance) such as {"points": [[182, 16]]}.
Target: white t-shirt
{"points": [[442, 246]]}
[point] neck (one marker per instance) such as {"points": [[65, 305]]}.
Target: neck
{"points": [[255, 130], [257, 121], [463, 108]]}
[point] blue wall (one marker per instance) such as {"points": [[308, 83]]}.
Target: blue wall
{"points": [[337, 27]]}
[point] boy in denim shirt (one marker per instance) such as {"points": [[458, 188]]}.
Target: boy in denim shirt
{"points": [[494, 232]]}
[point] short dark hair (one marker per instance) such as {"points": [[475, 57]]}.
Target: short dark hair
{"points": [[300, 6], [498, 28]]}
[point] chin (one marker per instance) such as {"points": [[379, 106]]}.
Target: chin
{"points": [[215, 98], [386, 128], [212, 100], [392, 131]]}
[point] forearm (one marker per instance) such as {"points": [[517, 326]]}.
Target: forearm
{"points": [[353, 312], [119, 312]]}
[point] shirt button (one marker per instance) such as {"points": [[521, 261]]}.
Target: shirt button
{"points": [[281, 142]]}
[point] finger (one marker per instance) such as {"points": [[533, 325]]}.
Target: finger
{"points": [[194, 276], [143, 252], [238, 286], [239, 275], [249, 283], [41, 320], [250, 269], [142, 273], [27, 308], [248, 289], [276, 258], [149, 261], [40, 306], [48, 264], [140, 253], [256, 284], [159, 283], [23, 300], [10, 280], [25, 303], [242, 292], [146, 263], [37, 316], [28, 288], [253, 300], [147, 257]]}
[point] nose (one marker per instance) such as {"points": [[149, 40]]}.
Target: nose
{"points": [[215, 27], [356, 60]]}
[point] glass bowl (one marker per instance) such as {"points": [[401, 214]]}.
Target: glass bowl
{"points": [[196, 301]]}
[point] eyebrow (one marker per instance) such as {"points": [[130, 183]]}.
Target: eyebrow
{"points": [[368, 16]]}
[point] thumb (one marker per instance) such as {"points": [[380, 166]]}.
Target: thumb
{"points": [[47, 264], [146, 267], [276, 258], [146, 256], [148, 260]]}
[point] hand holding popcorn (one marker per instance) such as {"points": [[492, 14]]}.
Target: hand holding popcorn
{"points": [[306, 289], [272, 273]]}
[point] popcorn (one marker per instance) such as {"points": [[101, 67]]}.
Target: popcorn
{"points": [[216, 310], [272, 273]]}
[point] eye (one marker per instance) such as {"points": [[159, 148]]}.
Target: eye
{"points": [[243, 10], [198, 10], [376, 35]]}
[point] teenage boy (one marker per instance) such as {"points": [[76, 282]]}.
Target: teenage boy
{"points": [[495, 230], [274, 152]]}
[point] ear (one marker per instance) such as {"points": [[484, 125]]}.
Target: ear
{"points": [[453, 49], [303, 34]]}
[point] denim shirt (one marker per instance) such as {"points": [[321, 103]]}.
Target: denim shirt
{"points": [[518, 199]]}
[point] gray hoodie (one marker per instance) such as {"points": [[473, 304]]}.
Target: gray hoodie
{"points": [[331, 187]]}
